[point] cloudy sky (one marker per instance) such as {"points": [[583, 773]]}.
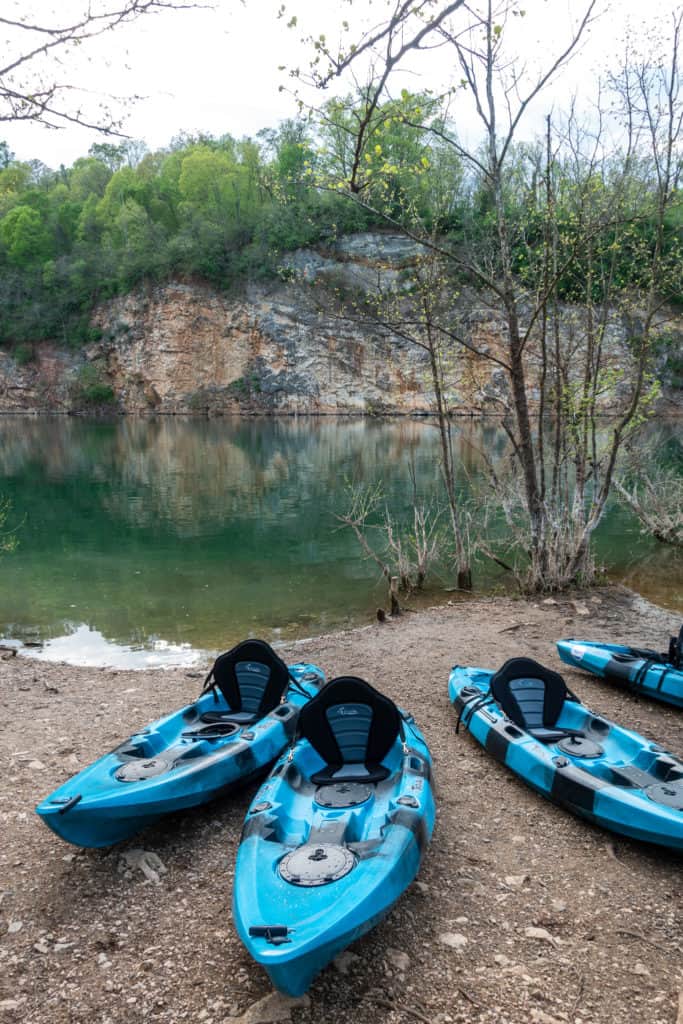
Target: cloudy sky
{"points": [[216, 70]]}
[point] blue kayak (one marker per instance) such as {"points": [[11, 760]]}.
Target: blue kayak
{"points": [[643, 671], [334, 835], [525, 716], [237, 727]]}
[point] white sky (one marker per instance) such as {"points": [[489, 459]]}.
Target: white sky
{"points": [[217, 70]]}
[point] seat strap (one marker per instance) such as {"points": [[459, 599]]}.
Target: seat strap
{"points": [[296, 685], [639, 679], [209, 686], [472, 705], [662, 677]]}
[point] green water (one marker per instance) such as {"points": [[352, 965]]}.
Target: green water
{"points": [[198, 532]]}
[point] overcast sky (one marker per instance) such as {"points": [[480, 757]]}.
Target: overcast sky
{"points": [[217, 70]]}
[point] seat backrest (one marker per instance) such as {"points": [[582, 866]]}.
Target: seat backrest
{"points": [[251, 677], [349, 722], [676, 650], [530, 694]]}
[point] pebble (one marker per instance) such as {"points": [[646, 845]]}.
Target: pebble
{"points": [[14, 926], [516, 881], [454, 940], [345, 961], [146, 861], [398, 960], [542, 935], [559, 906], [641, 970], [271, 1009], [36, 766], [540, 1017]]}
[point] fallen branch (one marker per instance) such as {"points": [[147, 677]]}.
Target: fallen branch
{"points": [[389, 1005], [637, 935]]}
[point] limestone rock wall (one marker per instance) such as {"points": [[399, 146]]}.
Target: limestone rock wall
{"points": [[277, 348]]}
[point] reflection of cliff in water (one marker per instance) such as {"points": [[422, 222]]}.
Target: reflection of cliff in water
{"points": [[197, 475], [201, 531]]}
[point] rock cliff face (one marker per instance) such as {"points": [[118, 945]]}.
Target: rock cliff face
{"points": [[278, 348]]}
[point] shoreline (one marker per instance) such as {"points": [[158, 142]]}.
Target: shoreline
{"points": [[85, 937], [674, 414], [34, 651]]}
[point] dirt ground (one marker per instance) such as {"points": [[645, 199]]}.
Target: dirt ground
{"points": [[85, 937]]}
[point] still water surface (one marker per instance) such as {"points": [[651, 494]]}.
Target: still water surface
{"points": [[174, 535]]}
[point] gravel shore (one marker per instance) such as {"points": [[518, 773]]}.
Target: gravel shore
{"points": [[550, 919]]}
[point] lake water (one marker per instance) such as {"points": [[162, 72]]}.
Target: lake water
{"points": [[142, 541]]}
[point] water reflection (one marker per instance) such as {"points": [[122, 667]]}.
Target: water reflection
{"points": [[203, 531], [88, 647]]}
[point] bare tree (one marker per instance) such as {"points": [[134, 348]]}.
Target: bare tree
{"points": [[653, 489], [565, 483], [34, 85], [405, 552]]}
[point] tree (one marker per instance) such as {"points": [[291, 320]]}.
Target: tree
{"points": [[564, 485], [31, 86]]}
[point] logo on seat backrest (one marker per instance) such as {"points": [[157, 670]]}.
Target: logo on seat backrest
{"points": [[347, 711]]}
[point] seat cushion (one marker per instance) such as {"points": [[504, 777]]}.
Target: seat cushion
{"points": [[350, 773]]}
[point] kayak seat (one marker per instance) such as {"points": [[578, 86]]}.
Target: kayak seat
{"points": [[675, 653], [532, 696], [253, 680], [352, 727]]}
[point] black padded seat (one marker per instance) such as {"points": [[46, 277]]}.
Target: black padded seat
{"points": [[532, 696], [253, 680], [676, 650], [353, 727]]}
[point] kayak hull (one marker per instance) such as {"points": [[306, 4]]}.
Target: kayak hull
{"points": [[172, 764], [383, 837], [622, 666], [620, 789]]}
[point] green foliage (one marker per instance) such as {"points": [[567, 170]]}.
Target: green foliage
{"points": [[90, 387], [223, 210], [24, 354]]}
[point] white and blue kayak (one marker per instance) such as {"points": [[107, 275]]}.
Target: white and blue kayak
{"points": [[237, 727], [334, 835], [525, 716], [641, 670]]}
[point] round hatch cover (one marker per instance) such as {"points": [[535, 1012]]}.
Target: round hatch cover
{"points": [[342, 794], [580, 746], [668, 793], [316, 864], [137, 770]]}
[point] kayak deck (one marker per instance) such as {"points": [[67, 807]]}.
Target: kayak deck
{"points": [[180, 761], [599, 770], [322, 861]]}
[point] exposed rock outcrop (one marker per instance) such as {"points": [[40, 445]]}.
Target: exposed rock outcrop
{"points": [[276, 348]]}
